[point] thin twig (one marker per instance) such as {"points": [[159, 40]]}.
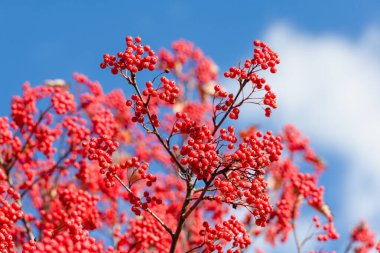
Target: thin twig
{"points": [[198, 247], [132, 81], [147, 209], [41, 117], [293, 222]]}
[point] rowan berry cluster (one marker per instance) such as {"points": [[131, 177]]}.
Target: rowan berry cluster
{"points": [[329, 232], [149, 234], [136, 57], [101, 150], [226, 103], [10, 213], [199, 153], [64, 243], [66, 226], [183, 51], [141, 170], [253, 195], [363, 237], [228, 136], [5, 132], [167, 91], [305, 184], [23, 108], [76, 130], [139, 109], [293, 139], [62, 102], [231, 231], [186, 54], [257, 154], [263, 58], [45, 138], [74, 211]]}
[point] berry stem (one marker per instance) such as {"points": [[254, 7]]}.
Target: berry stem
{"points": [[147, 209], [216, 127], [132, 81]]}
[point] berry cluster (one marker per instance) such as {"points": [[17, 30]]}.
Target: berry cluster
{"points": [[149, 234], [23, 108], [80, 206], [45, 138], [94, 87], [265, 58], [66, 224], [170, 90], [10, 213], [186, 54], [167, 91], [5, 133], [253, 195], [199, 153], [205, 70], [139, 108], [362, 235], [136, 57], [257, 154], [62, 101], [64, 243], [295, 142], [101, 150], [229, 136], [76, 130], [104, 123], [329, 231], [226, 102], [306, 186], [269, 100], [231, 231]]}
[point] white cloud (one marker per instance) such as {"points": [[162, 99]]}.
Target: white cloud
{"points": [[329, 86]]}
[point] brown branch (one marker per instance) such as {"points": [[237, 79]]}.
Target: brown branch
{"points": [[185, 214], [182, 217], [197, 247]]}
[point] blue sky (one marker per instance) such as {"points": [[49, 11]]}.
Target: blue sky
{"points": [[48, 39], [326, 83]]}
